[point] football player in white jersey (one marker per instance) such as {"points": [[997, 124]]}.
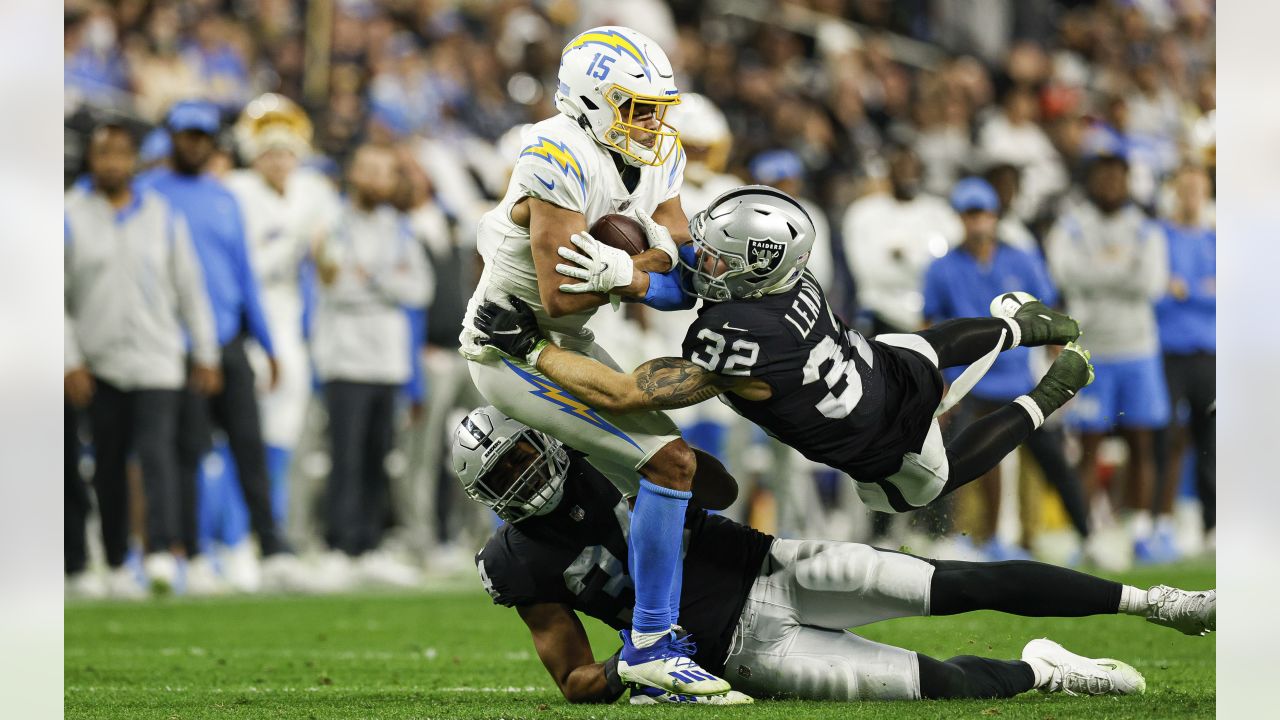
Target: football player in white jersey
{"points": [[609, 150], [284, 208]]}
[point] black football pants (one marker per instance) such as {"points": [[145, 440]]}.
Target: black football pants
{"points": [[143, 422], [235, 410], [1193, 378], [361, 433], [75, 496]]}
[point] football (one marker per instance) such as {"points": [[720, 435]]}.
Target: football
{"points": [[621, 232]]}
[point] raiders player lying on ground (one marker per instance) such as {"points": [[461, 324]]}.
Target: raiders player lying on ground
{"points": [[767, 341], [768, 614]]}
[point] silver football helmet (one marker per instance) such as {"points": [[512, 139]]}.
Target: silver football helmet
{"points": [[751, 241], [508, 466]]}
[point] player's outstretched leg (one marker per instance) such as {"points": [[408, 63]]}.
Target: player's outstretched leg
{"points": [[1038, 324], [1060, 670], [1034, 589], [983, 444]]}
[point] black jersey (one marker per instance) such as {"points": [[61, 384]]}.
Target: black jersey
{"points": [[577, 555], [853, 404]]}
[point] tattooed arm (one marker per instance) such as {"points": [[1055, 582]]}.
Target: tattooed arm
{"points": [[659, 384]]}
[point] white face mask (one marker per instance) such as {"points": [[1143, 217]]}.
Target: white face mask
{"points": [[100, 35]]}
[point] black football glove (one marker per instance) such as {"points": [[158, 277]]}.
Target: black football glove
{"points": [[513, 332]]}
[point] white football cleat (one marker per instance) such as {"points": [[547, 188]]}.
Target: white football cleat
{"points": [[1006, 305], [1077, 675], [654, 696], [667, 665], [1192, 613], [382, 569], [241, 567], [122, 584], [85, 585], [201, 580], [285, 572], [161, 569]]}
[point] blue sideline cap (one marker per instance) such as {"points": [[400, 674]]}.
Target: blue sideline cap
{"points": [[199, 115], [1103, 145], [974, 193], [155, 146], [774, 165]]}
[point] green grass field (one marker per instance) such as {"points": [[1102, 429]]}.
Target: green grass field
{"points": [[453, 654]]}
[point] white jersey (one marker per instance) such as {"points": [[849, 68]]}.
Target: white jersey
{"points": [[279, 229], [560, 164]]}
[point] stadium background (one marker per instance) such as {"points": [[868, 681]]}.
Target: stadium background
{"points": [[837, 84]]}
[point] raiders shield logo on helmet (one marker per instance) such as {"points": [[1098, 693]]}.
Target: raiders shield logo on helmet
{"points": [[764, 255]]}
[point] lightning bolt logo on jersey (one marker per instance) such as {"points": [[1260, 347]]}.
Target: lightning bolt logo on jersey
{"points": [[560, 156]]}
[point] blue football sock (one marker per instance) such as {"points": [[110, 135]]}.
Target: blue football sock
{"points": [[278, 459], [677, 583], [657, 533]]}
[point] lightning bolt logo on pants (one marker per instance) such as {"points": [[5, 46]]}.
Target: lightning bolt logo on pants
{"points": [[567, 403]]}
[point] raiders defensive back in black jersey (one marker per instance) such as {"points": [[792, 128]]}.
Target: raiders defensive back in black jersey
{"points": [[771, 614], [576, 555], [853, 404]]}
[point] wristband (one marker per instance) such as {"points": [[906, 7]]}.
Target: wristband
{"points": [[665, 293], [532, 358]]}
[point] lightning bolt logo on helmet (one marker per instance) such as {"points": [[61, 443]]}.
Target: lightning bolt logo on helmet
{"points": [[611, 38]]}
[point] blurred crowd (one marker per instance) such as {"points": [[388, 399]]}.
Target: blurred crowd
{"points": [[319, 168]]}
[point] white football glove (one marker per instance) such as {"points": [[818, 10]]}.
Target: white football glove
{"points": [[655, 696], [601, 269], [658, 235]]}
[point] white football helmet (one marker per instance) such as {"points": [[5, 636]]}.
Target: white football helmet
{"points": [[607, 71], [272, 121], [702, 126], [530, 482], [750, 241]]}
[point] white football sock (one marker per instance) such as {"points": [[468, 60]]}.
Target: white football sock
{"points": [[1033, 410], [1015, 332], [1042, 671], [644, 640], [1133, 601]]}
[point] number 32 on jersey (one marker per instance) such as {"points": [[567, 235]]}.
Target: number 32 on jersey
{"points": [[745, 353]]}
